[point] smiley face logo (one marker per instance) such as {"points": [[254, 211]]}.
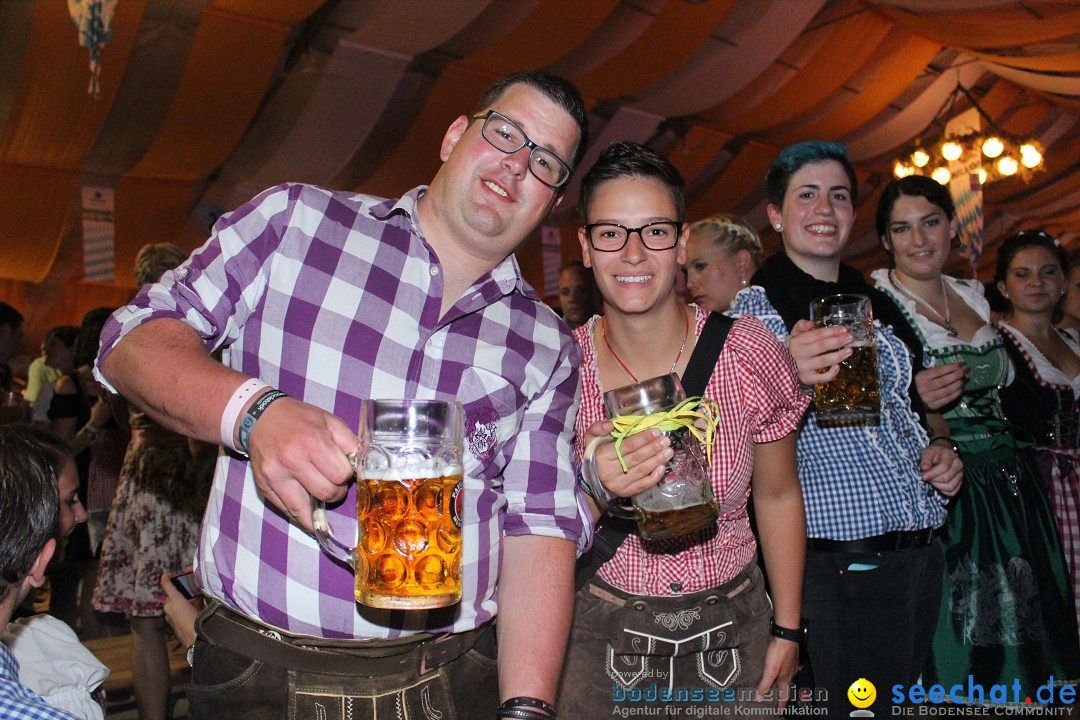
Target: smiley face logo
{"points": [[862, 693]]}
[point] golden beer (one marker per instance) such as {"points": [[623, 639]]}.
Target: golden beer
{"points": [[852, 396], [408, 505], [409, 551]]}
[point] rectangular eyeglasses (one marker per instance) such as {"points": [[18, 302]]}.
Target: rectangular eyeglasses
{"points": [[505, 135]]}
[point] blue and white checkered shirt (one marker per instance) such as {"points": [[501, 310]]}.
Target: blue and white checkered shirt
{"points": [[16, 701], [861, 481]]}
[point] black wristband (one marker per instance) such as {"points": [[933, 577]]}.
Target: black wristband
{"points": [[794, 635], [584, 485], [520, 713], [523, 708], [243, 435], [946, 438]]}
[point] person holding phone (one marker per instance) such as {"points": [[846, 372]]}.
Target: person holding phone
{"points": [[182, 605]]}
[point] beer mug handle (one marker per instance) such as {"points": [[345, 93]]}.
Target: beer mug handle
{"points": [[330, 544], [321, 525], [613, 504]]}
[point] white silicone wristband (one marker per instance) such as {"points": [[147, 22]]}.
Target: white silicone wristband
{"points": [[237, 402]]}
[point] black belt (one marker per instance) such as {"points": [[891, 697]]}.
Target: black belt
{"points": [[886, 542], [223, 626]]}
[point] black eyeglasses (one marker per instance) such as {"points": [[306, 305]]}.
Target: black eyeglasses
{"points": [[505, 135], [612, 237]]}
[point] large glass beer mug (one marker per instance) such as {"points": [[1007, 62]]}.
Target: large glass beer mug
{"points": [[682, 501], [408, 505], [852, 396]]}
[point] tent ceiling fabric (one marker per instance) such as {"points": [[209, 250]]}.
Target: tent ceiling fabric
{"points": [[206, 102]]}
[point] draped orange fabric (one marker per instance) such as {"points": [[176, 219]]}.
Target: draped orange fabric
{"points": [[743, 172], [415, 160], [988, 27], [234, 55], [696, 150], [35, 205], [1063, 62], [856, 39], [905, 64], [54, 120], [52, 126], [656, 52], [550, 32]]}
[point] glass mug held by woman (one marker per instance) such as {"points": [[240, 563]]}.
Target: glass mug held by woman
{"points": [[682, 501]]}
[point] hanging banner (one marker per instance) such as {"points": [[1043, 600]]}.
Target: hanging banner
{"points": [[966, 189], [551, 252], [98, 231]]}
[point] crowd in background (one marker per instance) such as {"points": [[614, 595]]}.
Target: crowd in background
{"points": [[941, 542]]}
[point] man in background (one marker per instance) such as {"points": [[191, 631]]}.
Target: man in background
{"points": [[579, 298], [29, 512]]}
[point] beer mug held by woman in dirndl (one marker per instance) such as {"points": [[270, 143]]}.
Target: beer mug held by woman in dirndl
{"points": [[852, 396], [408, 505]]}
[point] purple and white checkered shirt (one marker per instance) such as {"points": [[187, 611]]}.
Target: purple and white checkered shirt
{"points": [[334, 297]]}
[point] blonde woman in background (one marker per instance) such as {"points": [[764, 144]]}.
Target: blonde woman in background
{"points": [[723, 253], [153, 525]]}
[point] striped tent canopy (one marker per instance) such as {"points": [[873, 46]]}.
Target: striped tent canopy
{"points": [[203, 103]]}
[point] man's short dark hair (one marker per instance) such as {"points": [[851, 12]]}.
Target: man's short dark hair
{"points": [[10, 317], [630, 159], [558, 89], [29, 500]]}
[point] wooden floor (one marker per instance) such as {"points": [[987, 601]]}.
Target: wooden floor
{"points": [[115, 653]]}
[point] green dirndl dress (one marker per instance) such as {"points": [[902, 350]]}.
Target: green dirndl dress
{"points": [[1007, 611]]}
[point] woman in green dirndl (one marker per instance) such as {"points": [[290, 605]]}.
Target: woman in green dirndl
{"points": [[1007, 612]]}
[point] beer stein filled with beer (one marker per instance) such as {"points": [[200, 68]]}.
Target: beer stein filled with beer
{"points": [[408, 505], [852, 396], [682, 501]]}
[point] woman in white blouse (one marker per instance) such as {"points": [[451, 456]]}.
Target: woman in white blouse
{"points": [[1006, 596], [1031, 273]]}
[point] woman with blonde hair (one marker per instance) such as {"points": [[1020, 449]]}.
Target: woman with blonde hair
{"points": [[722, 254]]}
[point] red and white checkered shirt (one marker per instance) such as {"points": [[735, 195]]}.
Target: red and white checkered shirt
{"points": [[756, 387]]}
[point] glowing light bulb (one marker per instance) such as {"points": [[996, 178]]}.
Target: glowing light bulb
{"points": [[942, 175], [1030, 157], [951, 151], [901, 170], [982, 176], [992, 146], [1007, 166], [920, 157]]}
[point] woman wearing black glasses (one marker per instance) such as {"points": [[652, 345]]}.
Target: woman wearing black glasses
{"points": [[1043, 400], [683, 620]]}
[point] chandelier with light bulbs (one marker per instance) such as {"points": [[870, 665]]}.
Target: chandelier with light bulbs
{"points": [[998, 154]]}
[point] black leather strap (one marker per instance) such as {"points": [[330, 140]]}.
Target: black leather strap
{"points": [[706, 353], [611, 532]]}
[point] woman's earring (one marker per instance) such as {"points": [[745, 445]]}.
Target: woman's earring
{"points": [[779, 227], [742, 282]]}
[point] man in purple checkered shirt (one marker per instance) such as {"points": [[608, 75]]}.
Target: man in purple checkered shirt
{"points": [[334, 297]]}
